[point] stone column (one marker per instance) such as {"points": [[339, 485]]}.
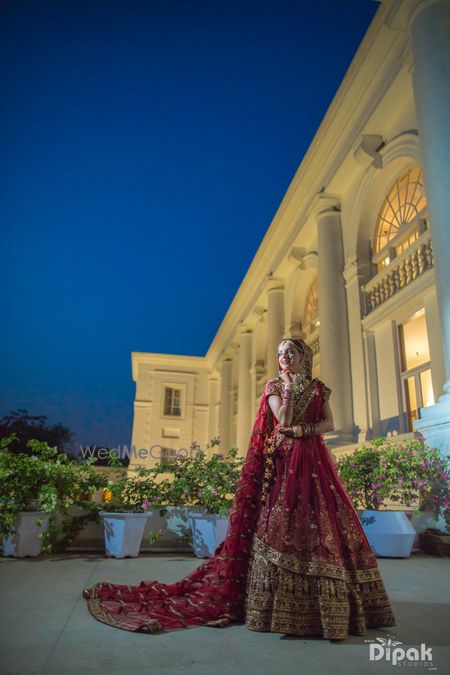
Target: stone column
{"points": [[234, 392], [275, 323], [334, 340], [259, 355], [352, 285], [212, 418], [244, 417], [429, 28], [225, 401], [434, 331], [233, 431], [373, 397]]}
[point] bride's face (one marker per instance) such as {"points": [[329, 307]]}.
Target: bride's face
{"points": [[288, 356]]}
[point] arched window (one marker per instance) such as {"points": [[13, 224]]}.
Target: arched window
{"points": [[311, 314], [401, 219]]}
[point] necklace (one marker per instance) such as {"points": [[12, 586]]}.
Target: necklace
{"points": [[298, 384]]}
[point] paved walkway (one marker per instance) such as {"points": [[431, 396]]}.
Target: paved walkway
{"points": [[46, 627]]}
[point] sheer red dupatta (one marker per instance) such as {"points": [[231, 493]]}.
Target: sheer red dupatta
{"points": [[211, 595]]}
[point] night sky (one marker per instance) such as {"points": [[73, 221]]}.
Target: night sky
{"points": [[146, 146]]}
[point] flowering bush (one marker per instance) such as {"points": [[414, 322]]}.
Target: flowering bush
{"points": [[47, 480], [134, 494], [401, 471], [199, 481]]}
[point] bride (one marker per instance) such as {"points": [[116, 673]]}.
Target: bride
{"points": [[295, 558]]}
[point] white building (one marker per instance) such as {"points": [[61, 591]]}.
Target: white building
{"points": [[357, 260]]}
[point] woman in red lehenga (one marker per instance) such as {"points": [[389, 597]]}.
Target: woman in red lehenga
{"points": [[295, 558]]}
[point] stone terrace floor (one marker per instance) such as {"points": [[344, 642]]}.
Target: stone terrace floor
{"points": [[46, 626]]}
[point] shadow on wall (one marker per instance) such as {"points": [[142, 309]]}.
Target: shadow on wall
{"points": [[389, 424]]}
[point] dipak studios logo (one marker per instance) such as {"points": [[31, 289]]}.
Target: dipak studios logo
{"points": [[387, 649]]}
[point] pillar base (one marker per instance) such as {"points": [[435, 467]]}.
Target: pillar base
{"points": [[434, 425], [362, 436], [334, 439]]}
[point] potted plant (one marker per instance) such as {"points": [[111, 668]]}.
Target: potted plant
{"points": [[206, 488], [436, 540], [393, 470], [127, 504], [33, 488], [167, 511]]}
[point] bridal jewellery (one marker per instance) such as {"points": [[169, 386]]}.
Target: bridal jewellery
{"points": [[293, 389], [306, 429]]}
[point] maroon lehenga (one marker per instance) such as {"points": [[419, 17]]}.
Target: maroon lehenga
{"points": [[295, 558]]}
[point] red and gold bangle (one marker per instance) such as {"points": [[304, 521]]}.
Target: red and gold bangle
{"points": [[310, 429]]}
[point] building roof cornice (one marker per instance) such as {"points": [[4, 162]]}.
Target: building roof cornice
{"points": [[376, 63]]}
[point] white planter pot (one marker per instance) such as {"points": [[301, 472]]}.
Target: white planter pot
{"points": [[221, 529], [208, 531], [176, 521], [390, 533], [123, 533], [173, 526], [27, 538]]}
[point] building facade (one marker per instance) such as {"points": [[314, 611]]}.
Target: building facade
{"points": [[356, 260]]}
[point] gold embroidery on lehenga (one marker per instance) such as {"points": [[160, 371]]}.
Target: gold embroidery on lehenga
{"points": [[300, 407], [274, 387], [118, 620], [276, 439], [286, 595], [147, 624], [304, 400], [326, 580]]}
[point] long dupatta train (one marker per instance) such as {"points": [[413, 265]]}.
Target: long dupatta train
{"points": [[214, 593]]}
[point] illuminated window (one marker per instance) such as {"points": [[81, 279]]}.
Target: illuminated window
{"points": [[407, 242], [311, 315], [172, 402], [416, 365], [403, 205]]}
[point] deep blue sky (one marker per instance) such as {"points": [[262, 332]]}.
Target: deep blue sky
{"points": [[146, 146]]}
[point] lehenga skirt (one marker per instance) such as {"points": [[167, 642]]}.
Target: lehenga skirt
{"points": [[312, 570]]}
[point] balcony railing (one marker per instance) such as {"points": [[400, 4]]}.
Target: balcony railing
{"points": [[410, 264]]}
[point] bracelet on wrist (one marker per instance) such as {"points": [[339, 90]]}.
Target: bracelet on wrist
{"points": [[310, 428]]}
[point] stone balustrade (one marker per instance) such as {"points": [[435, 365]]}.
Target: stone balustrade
{"points": [[402, 271]]}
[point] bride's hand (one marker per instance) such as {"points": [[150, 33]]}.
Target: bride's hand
{"points": [[287, 376], [290, 431]]}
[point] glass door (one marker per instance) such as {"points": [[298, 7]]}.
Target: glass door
{"points": [[415, 363]]}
